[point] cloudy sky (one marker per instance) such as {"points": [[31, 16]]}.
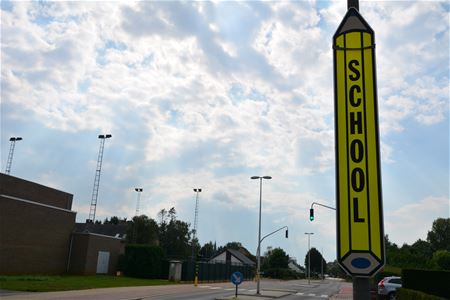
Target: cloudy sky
{"points": [[208, 94]]}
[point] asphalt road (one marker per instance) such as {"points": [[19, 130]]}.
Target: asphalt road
{"points": [[297, 290]]}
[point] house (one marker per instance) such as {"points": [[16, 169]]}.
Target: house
{"points": [[38, 233], [231, 256]]}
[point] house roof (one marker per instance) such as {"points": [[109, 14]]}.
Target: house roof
{"points": [[244, 259], [115, 230], [238, 255]]}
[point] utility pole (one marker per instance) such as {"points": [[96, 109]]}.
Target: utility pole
{"points": [[13, 141], [98, 170]]}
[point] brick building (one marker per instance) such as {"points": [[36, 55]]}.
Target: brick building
{"points": [[38, 236]]}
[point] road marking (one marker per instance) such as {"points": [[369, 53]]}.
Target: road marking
{"points": [[204, 286], [215, 288], [252, 290], [312, 295], [229, 289], [300, 294], [324, 296]]}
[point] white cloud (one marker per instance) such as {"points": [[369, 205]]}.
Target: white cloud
{"points": [[211, 93], [412, 221]]}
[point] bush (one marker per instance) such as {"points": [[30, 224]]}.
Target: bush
{"points": [[282, 273], [407, 294], [430, 282], [143, 261], [441, 259]]}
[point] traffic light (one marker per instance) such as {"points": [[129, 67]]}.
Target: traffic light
{"points": [[311, 214], [287, 233]]}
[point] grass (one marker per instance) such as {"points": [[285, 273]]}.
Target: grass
{"points": [[66, 283]]}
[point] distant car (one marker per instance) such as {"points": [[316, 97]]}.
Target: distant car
{"points": [[388, 285]]}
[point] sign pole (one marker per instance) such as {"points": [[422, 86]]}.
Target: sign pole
{"points": [[361, 289], [353, 3], [360, 233]]}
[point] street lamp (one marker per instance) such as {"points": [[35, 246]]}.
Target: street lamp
{"points": [[98, 170], [258, 252], [139, 191], [309, 257], [13, 141]]}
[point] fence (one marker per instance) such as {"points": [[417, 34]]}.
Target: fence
{"points": [[214, 271]]}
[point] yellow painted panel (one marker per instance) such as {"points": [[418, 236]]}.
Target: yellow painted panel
{"points": [[358, 214], [344, 239], [375, 222]]}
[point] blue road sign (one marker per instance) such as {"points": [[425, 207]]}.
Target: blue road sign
{"points": [[237, 278]]}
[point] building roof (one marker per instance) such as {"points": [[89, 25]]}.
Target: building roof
{"points": [[244, 259], [238, 255], [114, 230]]}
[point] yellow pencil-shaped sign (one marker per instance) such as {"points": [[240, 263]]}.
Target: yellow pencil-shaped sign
{"points": [[360, 237]]}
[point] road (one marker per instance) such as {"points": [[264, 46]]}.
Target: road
{"points": [[294, 290]]}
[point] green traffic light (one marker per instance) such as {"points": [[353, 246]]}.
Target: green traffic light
{"points": [[311, 214]]}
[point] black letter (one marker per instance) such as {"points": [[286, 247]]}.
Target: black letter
{"points": [[356, 71], [356, 217], [352, 95], [357, 156], [357, 172], [357, 122]]}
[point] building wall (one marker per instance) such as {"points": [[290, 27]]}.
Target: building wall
{"points": [[85, 248], [20, 188], [34, 238]]}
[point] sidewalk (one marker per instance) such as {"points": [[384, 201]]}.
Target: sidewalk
{"points": [[265, 295], [345, 293]]}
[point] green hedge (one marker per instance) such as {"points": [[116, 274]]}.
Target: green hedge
{"points": [[283, 274], [143, 261], [407, 294], [430, 282]]}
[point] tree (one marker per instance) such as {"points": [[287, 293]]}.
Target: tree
{"points": [[335, 270], [317, 261], [142, 230], [441, 259], [278, 259], [174, 235], [439, 236], [208, 250], [115, 220]]}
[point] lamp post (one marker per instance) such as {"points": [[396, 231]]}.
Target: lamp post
{"points": [[194, 235], [13, 141], [139, 191], [258, 251], [98, 170], [309, 257]]}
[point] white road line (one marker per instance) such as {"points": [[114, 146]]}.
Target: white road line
{"points": [[204, 286], [324, 296], [230, 289], [312, 295], [252, 290], [300, 294], [215, 288]]}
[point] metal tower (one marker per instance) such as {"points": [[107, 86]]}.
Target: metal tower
{"points": [[139, 191], [93, 208], [194, 231], [11, 153]]}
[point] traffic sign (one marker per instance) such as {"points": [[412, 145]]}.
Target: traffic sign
{"points": [[360, 237], [237, 278]]}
